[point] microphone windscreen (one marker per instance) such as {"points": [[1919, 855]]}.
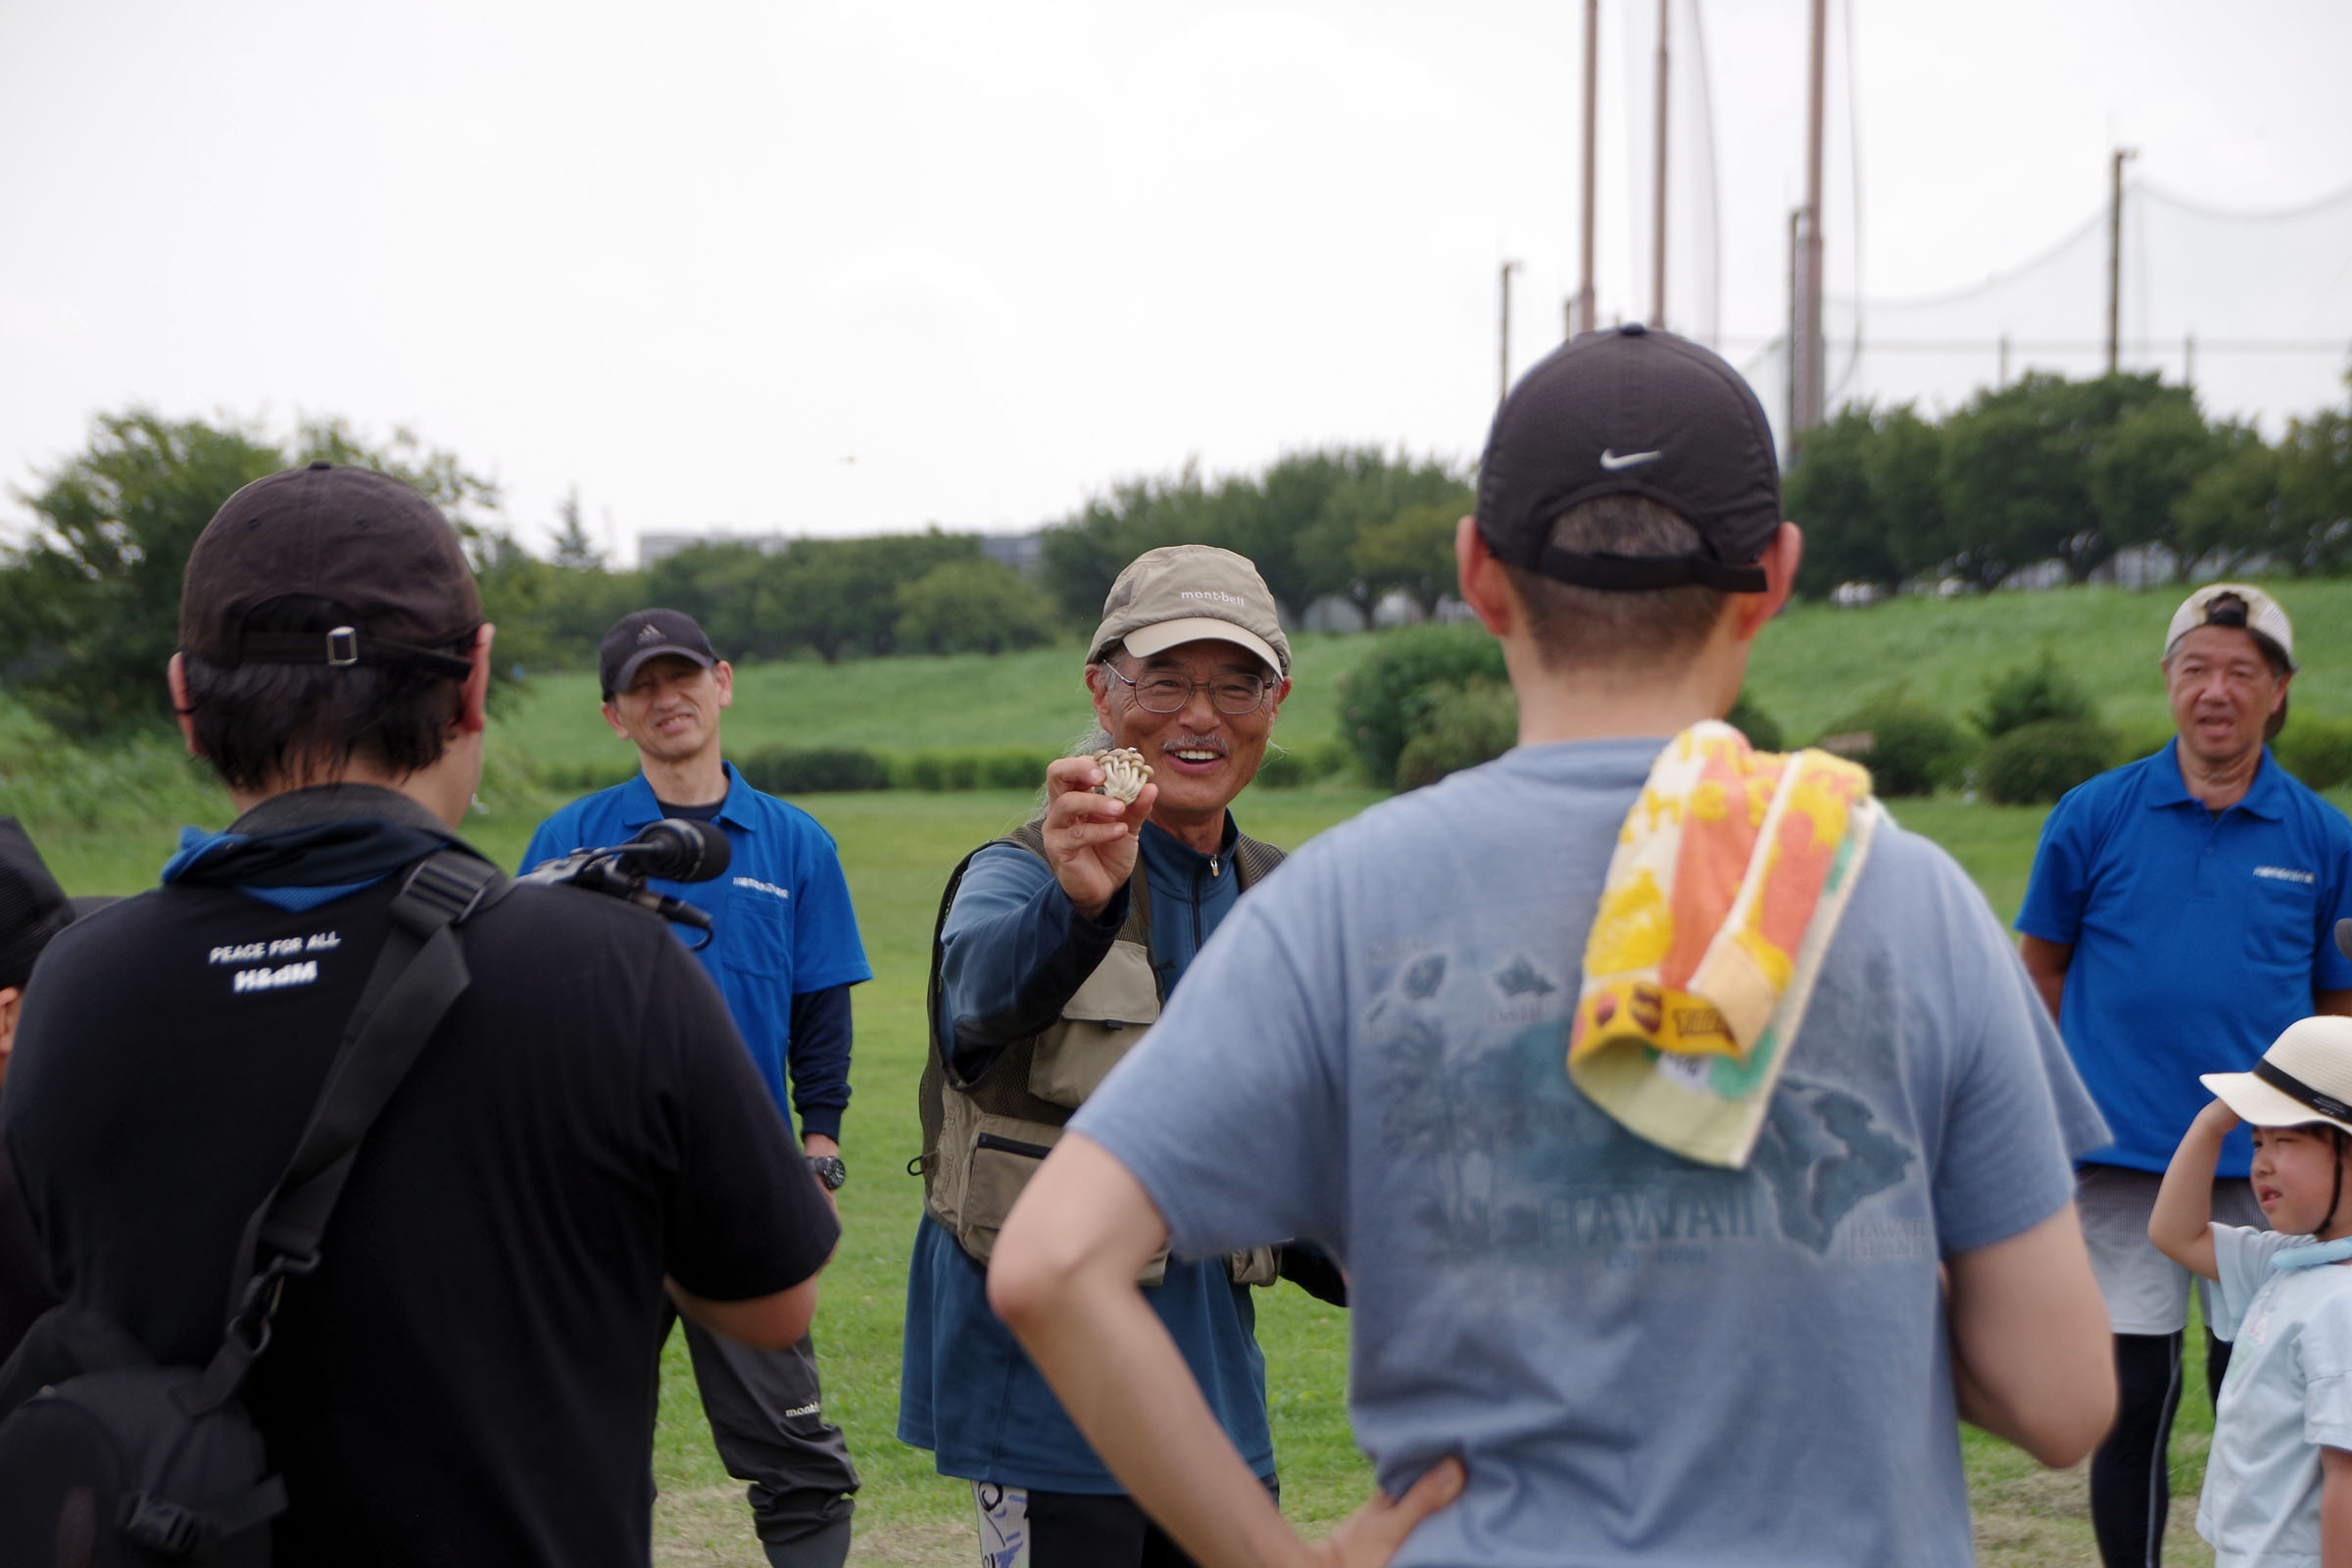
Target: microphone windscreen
{"points": [[678, 849]]}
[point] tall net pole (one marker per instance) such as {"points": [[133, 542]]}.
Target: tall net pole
{"points": [[1503, 387], [1809, 391], [1657, 217], [2115, 257], [1583, 320]]}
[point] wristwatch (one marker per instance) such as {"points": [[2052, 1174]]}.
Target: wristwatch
{"points": [[829, 1170]]}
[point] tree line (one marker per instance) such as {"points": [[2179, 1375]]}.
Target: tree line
{"points": [[2049, 468], [2044, 469], [89, 604], [1354, 524]]}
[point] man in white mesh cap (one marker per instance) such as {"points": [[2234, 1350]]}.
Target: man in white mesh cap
{"points": [[2178, 919]]}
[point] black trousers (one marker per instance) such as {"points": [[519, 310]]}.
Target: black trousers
{"points": [[1076, 1530], [767, 1416], [2130, 1478]]}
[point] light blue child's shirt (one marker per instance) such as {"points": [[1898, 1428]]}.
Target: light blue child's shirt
{"points": [[2287, 1396]]}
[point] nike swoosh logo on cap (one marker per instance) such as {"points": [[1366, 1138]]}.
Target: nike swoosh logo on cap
{"points": [[1631, 459]]}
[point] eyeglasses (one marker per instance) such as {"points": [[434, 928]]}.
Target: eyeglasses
{"points": [[1164, 693]]}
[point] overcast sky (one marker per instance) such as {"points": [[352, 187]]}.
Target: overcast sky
{"points": [[852, 268]]}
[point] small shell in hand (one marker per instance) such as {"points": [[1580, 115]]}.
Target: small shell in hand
{"points": [[1124, 773]]}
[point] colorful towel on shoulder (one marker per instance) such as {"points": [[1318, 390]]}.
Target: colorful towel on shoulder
{"points": [[1724, 889]]}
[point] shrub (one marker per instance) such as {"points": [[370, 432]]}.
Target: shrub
{"points": [[2317, 750], [1909, 748], [582, 778], [814, 769], [1377, 714], [1003, 768], [2135, 741], [938, 770], [1762, 730], [1289, 767], [1457, 726], [2033, 694], [2035, 764], [1013, 768]]}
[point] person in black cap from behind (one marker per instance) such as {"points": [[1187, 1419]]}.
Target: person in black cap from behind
{"points": [[32, 910], [784, 951], [1572, 1340], [466, 1376]]}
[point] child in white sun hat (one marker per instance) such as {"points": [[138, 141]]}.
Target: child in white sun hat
{"points": [[2278, 1478]]}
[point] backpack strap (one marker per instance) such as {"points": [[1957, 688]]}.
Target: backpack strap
{"points": [[418, 973]]}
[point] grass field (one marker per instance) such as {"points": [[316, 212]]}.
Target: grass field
{"points": [[1810, 669], [1033, 698], [107, 823]]}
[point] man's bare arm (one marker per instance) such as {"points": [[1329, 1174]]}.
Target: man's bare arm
{"points": [[2338, 1002], [2045, 966], [2033, 1360], [764, 1322], [1062, 1276]]}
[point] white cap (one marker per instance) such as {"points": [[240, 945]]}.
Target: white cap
{"points": [[2305, 1077], [2262, 615]]}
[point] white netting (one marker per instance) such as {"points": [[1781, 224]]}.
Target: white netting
{"points": [[2253, 309]]}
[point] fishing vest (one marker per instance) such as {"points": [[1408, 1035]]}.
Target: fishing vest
{"points": [[982, 1139]]}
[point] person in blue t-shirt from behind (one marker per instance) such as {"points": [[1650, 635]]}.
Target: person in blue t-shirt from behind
{"points": [[2279, 1476], [784, 949], [2179, 915], [1637, 1356]]}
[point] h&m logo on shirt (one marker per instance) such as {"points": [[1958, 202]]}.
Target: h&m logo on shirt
{"points": [[758, 886], [2282, 873], [286, 974]]}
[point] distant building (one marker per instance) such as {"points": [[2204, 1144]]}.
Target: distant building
{"points": [[652, 546], [1025, 552]]}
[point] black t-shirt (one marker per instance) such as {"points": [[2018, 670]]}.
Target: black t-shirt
{"points": [[24, 1292], [470, 1375]]}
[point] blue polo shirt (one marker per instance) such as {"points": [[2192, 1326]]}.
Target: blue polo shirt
{"points": [[2198, 936], [781, 920]]}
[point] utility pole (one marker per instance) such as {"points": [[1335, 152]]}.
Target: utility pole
{"points": [[1504, 388], [1657, 213], [1810, 395], [1583, 318], [2114, 255], [1797, 322]]}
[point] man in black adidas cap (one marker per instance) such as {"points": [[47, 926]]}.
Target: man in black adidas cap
{"points": [[1607, 1351], [465, 1375], [784, 951]]}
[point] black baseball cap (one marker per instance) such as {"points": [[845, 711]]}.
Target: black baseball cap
{"points": [[648, 634], [33, 907], [384, 569], [1633, 412]]}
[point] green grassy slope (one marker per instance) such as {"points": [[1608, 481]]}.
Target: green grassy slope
{"points": [[1811, 666], [1034, 698]]}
